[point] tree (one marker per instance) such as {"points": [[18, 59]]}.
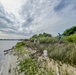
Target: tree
{"points": [[45, 35], [42, 35], [34, 36], [70, 31]]}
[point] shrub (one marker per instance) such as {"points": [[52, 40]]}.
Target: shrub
{"points": [[46, 40], [70, 31], [65, 52], [31, 67], [26, 39], [32, 39], [42, 35], [45, 35], [19, 44], [35, 36], [71, 38]]}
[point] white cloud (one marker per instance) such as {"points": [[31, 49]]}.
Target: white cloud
{"points": [[11, 5], [36, 16], [12, 36]]}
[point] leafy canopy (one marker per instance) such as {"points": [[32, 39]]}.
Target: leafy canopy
{"points": [[42, 35], [70, 31]]}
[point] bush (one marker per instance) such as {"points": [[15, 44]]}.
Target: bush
{"points": [[45, 35], [42, 35], [31, 67], [35, 36], [46, 40], [32, 39], [71, 38], [70, 31], [19, 44], [65, 52], [26, 39]]}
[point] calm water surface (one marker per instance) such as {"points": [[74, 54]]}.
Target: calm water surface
{"points": [[4, 45]]}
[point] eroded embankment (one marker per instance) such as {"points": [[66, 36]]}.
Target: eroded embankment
{"points": [[29, 61]]}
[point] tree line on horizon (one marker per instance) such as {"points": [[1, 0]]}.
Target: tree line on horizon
{"points": [[67, 32]]}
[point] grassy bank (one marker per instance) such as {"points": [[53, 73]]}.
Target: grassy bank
{"points": [[63, 50], [28, 64]]}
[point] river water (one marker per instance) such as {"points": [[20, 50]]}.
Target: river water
{"points": [[5, 45]]}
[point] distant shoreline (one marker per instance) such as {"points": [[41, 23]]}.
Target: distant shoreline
{"points": [[11, 39]]}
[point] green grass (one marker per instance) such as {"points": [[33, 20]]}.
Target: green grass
{"points": [[64, 53], [19, 44], [63, 50], [31, 67], [44, 40], [70, 39]]}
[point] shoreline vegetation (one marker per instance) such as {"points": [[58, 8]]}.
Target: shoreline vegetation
{"points": [[27, 57]]}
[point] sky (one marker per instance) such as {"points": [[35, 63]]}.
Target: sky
{"points": [[24, 18]]}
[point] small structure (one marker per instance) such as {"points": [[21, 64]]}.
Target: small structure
{"points": [[45, 53], [36, 41]]}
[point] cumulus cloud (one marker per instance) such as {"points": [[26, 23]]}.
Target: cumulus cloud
{"points": [[9, 23], [50, 16], [37, 16]]}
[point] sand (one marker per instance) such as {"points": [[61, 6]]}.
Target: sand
{"points": [[9, 65]]}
